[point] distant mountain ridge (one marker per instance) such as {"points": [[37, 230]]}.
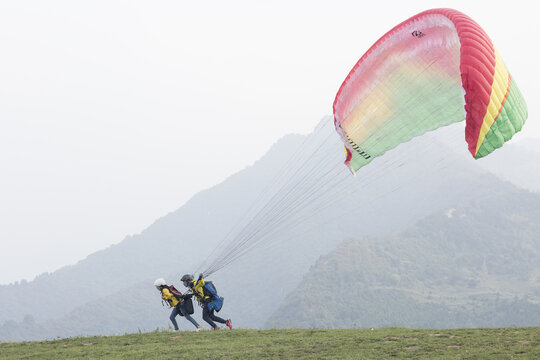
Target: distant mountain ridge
{"points": [[473, 265]]}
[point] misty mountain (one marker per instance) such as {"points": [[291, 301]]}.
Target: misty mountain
{"points": [[111, 290], [174, 243], [476, 264]]}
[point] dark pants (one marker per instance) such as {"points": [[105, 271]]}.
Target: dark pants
{"points": [[181, 309], [208, 316]]}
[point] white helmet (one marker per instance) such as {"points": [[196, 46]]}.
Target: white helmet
{"points": [[159, 282]]}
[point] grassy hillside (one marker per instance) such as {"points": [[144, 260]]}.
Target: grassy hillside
{"points": [[395, 343]]}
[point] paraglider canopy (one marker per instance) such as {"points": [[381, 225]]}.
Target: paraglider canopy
{"points": [[434, 69]]}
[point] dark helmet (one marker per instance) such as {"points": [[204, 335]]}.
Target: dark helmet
{"points": [[187, 277], [187, 280]]}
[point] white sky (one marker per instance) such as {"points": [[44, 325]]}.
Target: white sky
{"points": [[114, 113]]}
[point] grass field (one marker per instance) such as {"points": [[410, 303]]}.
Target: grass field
{"points": [[387, 343]]}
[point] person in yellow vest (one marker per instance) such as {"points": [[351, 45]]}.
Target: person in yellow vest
{"points": [[178, 303], [207, 296]]}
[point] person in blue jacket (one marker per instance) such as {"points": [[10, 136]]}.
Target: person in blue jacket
{"points": [[208, 298]]}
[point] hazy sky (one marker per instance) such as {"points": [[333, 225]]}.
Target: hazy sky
{"points": [[114, 113]]}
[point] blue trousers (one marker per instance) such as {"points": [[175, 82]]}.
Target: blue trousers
{"points": [[208, 316], [181, 309]]}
